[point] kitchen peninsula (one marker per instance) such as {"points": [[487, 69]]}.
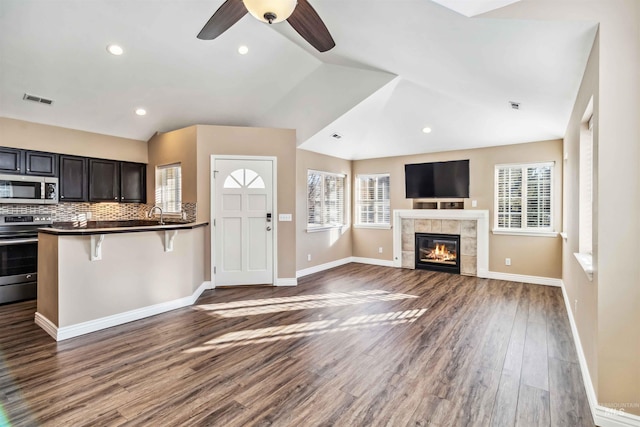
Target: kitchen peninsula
{"points": [[97, 275]]}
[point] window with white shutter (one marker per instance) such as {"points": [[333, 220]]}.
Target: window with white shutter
{"points": [[325, 200], [169, 188], [585, 214], [524, 198], [372, 200]]}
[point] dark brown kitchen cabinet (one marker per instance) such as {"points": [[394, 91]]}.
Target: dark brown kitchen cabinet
{"points": [[73, 179], [42, 164], [104, 180], [133, 182], [11, 160]]}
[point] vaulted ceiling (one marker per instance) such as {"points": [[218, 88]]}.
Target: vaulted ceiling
{"points": [[398, 66]]}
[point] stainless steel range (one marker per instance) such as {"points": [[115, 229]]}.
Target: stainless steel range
{"points": [[19, 255]]}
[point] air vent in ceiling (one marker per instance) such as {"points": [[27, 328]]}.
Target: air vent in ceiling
{"points": [[336, 135], [514, 105], [39, 99]]}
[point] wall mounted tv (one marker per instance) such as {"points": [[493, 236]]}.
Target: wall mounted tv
{"points": [[437, 179]]}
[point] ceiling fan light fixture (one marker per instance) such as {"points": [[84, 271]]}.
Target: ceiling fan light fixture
{"points": [[270, 11]]}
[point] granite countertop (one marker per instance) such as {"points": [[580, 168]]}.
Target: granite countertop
{"points": [[110, 227]]}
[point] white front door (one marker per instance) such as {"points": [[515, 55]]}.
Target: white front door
{"points": [[244, 224]]}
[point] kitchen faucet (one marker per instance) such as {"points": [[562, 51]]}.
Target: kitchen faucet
{"points": [[153, 209]]}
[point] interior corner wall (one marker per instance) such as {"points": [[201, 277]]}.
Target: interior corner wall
{"points": [[327, 245], [580, 290], [54, 139], [531, 256], [178, 146], [244, 141]]}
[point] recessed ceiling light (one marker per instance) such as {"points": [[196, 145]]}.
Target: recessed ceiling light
{"points": [[141, 111], [243, 50], [426, 130], [114, 49]]}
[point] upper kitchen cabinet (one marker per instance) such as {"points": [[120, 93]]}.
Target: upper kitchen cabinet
{"points": [[11, 160], [42, 164], [104, 180], [73, 179], [133, 187]]}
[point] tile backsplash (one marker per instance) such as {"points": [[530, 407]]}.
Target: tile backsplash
{"points": [[99, 211]]}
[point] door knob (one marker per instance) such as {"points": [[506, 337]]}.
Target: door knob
{"points": [[268, 228]]}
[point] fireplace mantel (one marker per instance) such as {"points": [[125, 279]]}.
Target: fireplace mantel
{"points": [[482, 225]]}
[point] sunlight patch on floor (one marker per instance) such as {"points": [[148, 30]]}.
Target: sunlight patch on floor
{"points": [[306, 329], [284, 305], [280, 300]]}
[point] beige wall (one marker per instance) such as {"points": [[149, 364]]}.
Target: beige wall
{"points": [[327, 245], [48, 277], [34, 136], [135, 272], [242, 141], [178, 146], [534, 256], [582, 292], [617, 275]]}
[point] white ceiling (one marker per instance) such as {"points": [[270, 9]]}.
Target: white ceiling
{"points": [[398, 66]]}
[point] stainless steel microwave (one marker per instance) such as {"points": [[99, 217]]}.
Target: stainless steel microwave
{"points": [[24, 189]]}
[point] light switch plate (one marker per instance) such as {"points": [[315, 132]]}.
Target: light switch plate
{"points": [[285, 217]]}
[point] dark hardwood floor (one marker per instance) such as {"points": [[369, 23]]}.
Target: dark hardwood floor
{"points": [[358, 345]]}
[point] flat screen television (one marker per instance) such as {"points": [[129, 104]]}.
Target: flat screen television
{"points": [[437, 179]]}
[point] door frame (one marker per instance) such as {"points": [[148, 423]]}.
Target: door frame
{"points": [[274, 204]]}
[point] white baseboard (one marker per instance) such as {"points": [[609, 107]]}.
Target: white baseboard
{"points": [[286, 281], [602, 416], [66, 332], [322, 267], [536, 280], [373, 261]]}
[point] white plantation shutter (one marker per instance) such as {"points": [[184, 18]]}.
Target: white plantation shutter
{"points": [[524, 197], [169, 188], [372, 200], [585, 216], [325, 199]]}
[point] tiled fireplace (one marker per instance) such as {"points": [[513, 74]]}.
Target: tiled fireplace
{"points": [[470, 226]]}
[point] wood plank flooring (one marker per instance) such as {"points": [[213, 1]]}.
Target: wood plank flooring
{"points": [[357, 345]]}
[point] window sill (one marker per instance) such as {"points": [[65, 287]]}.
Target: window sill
{"points": [[525, 233], [374, 226], [586, 262], [327, 228]]}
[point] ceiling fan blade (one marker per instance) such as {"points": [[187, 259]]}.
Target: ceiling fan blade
{"points": [[307, 23], [228, 14]]}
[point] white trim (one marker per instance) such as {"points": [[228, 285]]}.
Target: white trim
{"points": [[47, 325], [603, 417], [536, 280], [322, 267], [524, 232], [286, 281], [66, 332], [373, 261], [374, 226], [586, 262], [342, 228]]}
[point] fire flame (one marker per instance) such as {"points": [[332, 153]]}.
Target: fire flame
{"points": [[441, 253]]}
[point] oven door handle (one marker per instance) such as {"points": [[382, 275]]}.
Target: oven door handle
{"points": [[12, 242]]}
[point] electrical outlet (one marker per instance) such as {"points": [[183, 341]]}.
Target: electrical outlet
{"points": [[474, 203], [87, 215], [507, 261], [308, 257], [380, 250]]}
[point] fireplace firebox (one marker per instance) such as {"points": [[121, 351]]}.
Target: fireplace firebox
{"points": [[438, 252]]}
